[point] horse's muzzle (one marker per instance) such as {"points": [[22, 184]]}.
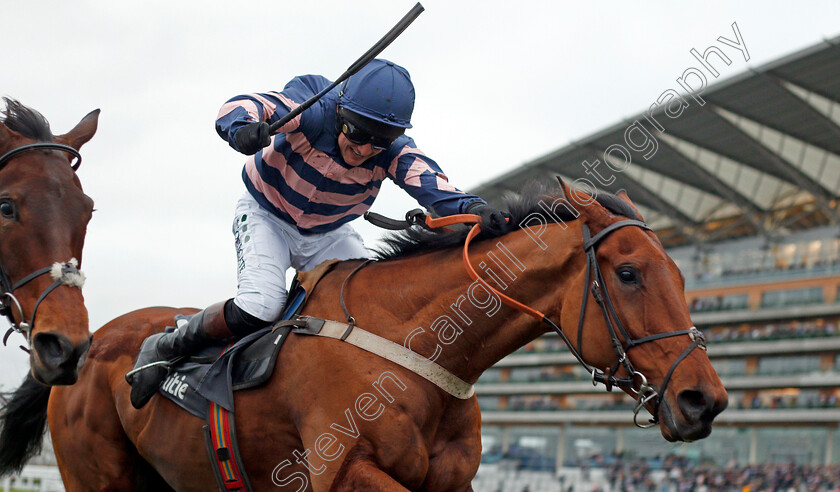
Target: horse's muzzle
{"points": [[692, 420], [56, 359]]}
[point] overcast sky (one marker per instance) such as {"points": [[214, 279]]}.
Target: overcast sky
{"points": [[498, 83]]}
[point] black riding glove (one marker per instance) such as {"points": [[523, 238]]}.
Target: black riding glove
{"points": [[492, 220], [252, 137]]}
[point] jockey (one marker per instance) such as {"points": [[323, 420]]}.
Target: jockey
{"points": [[304, 185]]}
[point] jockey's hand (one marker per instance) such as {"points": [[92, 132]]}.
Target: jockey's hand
{"points": [[252, 137], [492, 220]]}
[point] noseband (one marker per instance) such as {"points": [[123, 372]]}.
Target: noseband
{"points": [[66, 273]]}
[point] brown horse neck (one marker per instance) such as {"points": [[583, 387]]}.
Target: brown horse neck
{"points": [[444, 316], [535, 277]]}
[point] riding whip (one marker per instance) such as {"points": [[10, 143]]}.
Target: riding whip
{"points": [[355, 67]]}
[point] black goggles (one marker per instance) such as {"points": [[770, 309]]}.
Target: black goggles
{"points": [[359, 136]]}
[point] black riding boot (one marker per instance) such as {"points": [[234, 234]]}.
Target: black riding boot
{"points": [[205, 328]]}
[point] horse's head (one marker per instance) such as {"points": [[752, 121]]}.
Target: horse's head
{"points": [[43, 219], [638, 299]]}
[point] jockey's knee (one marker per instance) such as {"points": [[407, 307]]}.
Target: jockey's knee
{"points": [[255, 316]]}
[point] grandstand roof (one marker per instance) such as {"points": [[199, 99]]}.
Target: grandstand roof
{"points": [[760, 157]]}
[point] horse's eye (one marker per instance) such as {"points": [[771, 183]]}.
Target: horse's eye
{"points": [[628, 276], [7, 209]]}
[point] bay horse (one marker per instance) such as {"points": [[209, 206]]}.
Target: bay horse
{"points": [[43, 218], [334, 417]]}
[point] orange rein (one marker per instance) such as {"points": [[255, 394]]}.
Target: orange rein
{"points": [[475, 219]]}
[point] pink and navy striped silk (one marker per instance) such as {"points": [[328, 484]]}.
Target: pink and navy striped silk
{"points": [[301, 176]]}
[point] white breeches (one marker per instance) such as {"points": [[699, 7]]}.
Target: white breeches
{"points": [[267, 246]]}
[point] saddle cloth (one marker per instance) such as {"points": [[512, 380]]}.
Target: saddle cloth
{"points": [[212, 376]]}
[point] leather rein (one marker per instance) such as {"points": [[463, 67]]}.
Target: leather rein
{"points": [[636, 382], [65, 273]]}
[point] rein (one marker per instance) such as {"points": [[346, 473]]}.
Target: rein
{"points": [[66, 273], [645, 393]]}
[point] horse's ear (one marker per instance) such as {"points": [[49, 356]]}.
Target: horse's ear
{"points": [[564, 189], [8, 138], [82, 132], [5, 135], [566, 192], [626, 199]]}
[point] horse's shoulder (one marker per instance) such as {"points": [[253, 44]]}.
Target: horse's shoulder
{"points": [[135, 322], [124, 334], [326, 290]]}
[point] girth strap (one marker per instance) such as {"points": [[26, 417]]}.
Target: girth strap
{"points": [[223, 449], [394, 352]]}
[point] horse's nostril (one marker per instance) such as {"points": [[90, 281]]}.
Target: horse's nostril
{"points": [[694, 405], [53, 349]]}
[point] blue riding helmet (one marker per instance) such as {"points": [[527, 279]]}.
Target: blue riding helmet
{"points": [[382, 92]]}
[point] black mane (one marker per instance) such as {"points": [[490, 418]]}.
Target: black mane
{"points": [[26, 121], [415, 240]]}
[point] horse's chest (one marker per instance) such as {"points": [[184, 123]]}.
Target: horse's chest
{"points": [[453, 465], [455, 453]]}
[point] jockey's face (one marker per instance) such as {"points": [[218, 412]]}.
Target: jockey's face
{"points": [[354, 154]]}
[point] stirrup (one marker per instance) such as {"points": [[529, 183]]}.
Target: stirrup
{"points": [[166, 363]]}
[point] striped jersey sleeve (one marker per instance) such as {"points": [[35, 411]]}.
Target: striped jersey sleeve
{"points": [[269, 107], [422, 178]]}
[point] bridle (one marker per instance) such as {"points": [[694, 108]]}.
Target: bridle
{"points": [[636, 382], [66, 273], [596, 284]]}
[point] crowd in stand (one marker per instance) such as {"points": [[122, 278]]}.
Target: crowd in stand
{"points": [[774, 263], [544, 344], [768, 331], [737, 367], [536, 403], [821, 400], [718, 303], [671, 474], [772, 331], [681, 476]]}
